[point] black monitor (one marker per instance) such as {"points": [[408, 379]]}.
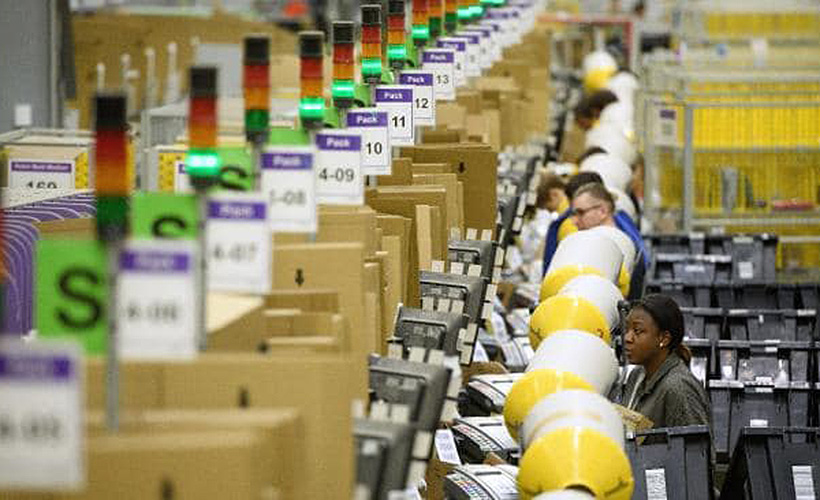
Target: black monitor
{"points": [[469, 290], [383, 455]]}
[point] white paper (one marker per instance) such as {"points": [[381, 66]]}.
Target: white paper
{"points": [[446, 447], [289, 182], [41, 174], [41, 416], [157, 306], [339, 178], [239, 243], [377, 154]]}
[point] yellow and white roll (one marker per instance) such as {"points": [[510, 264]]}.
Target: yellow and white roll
{"points": [[613, 170], [576, 457], [628, 251], [624, 203], [624, 85], [580, 353], [621, 115], [598, 67], [567, 312], [580, 254], [572, 408], [566, 495], [613, 139], [534, 386]]}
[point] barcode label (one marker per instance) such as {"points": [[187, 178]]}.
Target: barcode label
{"points": [[745, 270], [803, 482], [655, 484], [446, 447], [758, 422], [666, 133]]}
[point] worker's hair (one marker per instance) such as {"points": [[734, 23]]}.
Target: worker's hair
{"points": [[598, 191], [591, 106], [548, 181], [668, 317], [579, 180]]}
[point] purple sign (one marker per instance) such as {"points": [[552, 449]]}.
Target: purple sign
{"points": [[155, 261], [41, 166], [438, 57], [668, 114], [497, 14], [287, 161], [236, 210], [35, 367], [367, 118], [474, 39], [484, 32], [338, 142], [393, 95], [491, 25], [181, 168], [417, 79], [458, 45]]}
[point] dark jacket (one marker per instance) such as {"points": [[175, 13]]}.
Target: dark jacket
{"points": [[672, 397]]}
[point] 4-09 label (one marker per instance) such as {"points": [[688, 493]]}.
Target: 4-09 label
{"points": [[339, 168]]}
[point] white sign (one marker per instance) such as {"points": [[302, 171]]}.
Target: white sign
{"points": [[666, 129], [371, 123], [156, 300], [182, 181], [290, 184], [442, 63], [424, 99], [397, 100], [496, 39], [485, 50], [472, 67], [41, 416], [41, 174], [239, 243], [459, 48], [446, 447], [339, 178]]}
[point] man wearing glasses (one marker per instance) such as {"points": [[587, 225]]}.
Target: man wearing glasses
{"points": [[592, 206]]}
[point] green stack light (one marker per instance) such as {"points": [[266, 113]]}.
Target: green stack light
{"points": [[202, 161], [312, 100], [396, 32], [343, 87], [372, 44]]}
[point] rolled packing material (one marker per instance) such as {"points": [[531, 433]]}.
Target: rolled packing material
{"points": [[534, 386], [579, 254], [576, 457], [627, 248], [621, 115], [601, 292], [572, 408], [580, 353], [613, 139], [624, 203], [566, 495], [598, 68], [624, 85], [567, 312], [613, 170]]}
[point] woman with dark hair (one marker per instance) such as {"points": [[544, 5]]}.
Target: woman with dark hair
{"points": [[663, 388]]}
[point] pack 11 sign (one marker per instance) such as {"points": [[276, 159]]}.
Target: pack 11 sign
{"points": [[397, 100], [339, 178], [424, 99], [289, 181], [371, 123], [41, 420], [41, 174], [156, 300], [239, 243], [442, 63]]}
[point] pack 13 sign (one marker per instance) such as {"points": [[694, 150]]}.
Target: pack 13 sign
{"points": [[442, 63]]}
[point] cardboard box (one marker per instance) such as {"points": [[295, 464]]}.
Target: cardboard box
{"points": [[470, 100], [339, 224], [450, 114], [401, 173], [319, 386], [390, 263], [476, 167], [399, 228], [140, 384], [338, 267], [442, 134], [280, 429], [231, 319], [455, 211], [374, 291], [312, 300]]}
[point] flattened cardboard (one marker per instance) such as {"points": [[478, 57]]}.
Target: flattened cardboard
{"points": [[231, 319], [476, 167], [140, 385], [450, 114], [394, 270], [313, 300], [400, 228], [441, 135], [455, 212], [401, 174]]}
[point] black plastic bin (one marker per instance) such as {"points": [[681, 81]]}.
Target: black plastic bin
{"points": [[691, 269], [770, 324], [672, 463], [756, 295], [703, 322], [770, 362], [686, 295], [774, 464]]}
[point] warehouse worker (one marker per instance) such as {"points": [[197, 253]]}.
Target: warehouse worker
{"points": [[662, 388], [589, 109], [592, 206]]}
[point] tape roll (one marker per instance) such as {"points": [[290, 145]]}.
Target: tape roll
{"points": [[532, 388], [613, 139], [624, 204], [601, 292], [584, 252], [580, 353], [573, 457], [567, 312], [613, 170], [566, 495], [572, 408]]}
